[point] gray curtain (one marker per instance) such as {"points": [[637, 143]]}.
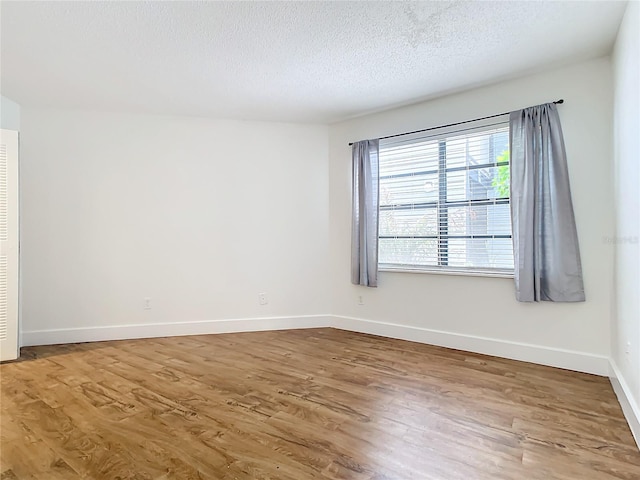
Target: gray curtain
{"points": [[364, 225], [545, 241]]}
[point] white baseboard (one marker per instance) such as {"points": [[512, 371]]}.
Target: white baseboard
{"points": [[122, 332], [630, 407], [553, 357], [571, 360]]}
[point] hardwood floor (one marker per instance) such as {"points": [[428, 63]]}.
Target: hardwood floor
{"points": [[305, 404]]}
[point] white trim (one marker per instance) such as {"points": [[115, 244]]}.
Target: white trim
{"points": [[630, 407], [386, 267], [122, 332], [553, 357]]}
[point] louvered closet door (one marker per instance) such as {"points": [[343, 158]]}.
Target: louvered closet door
{"points": [[8, 245]]}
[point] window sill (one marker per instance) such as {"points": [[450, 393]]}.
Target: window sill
{"points": [[443, 271]]}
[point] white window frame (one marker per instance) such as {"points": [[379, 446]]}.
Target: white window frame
{"points": [[468, 127]]}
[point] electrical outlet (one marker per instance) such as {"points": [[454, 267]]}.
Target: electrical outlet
{"points": [[360, 300], [147, 303], [627, 348], [262, 299]]}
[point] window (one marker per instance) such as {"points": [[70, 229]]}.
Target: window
{"points": [[444, 200]]}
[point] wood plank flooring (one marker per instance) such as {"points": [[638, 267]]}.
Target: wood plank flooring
{"points": [[304, 404]]}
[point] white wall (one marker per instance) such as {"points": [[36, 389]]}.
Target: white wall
{"points": [[9, 114], [470, 307], [626, 326], [199, 215]]}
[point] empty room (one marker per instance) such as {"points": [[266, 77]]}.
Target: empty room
{"points": [[290, 240]]}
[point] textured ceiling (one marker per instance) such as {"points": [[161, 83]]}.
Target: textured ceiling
{"points": [[283, 61]]}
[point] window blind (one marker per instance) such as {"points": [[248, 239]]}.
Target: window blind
{"points": [[444, 200]]}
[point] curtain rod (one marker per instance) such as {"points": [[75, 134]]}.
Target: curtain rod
{"points": [[451, 124]]}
